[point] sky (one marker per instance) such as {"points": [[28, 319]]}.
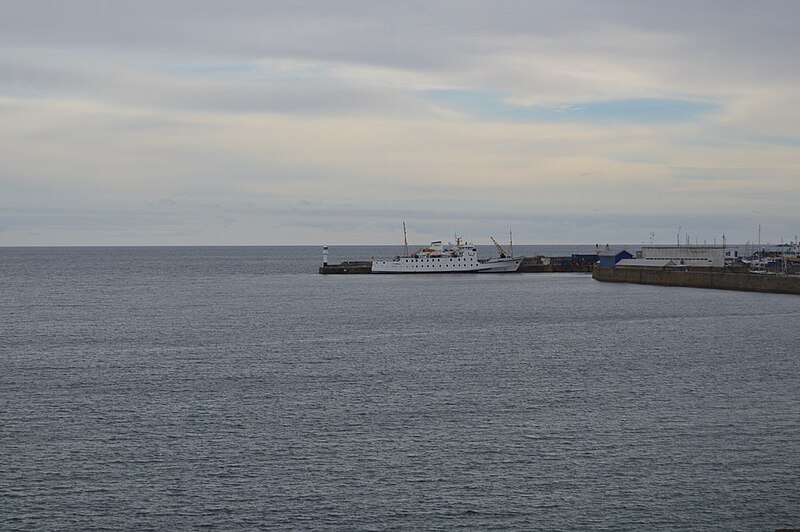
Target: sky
{"points": [[277, 123]]}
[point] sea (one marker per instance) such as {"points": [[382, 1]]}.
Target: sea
{"points": [[235, 388]]}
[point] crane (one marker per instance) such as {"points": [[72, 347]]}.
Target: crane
{"points": [[500, 249]]}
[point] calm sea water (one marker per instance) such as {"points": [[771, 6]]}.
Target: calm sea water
{"points": [[235, 388]]}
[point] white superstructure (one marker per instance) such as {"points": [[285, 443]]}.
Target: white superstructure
{"points": [[446, 258]]}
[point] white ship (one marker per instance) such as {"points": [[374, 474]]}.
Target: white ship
{"points": [[460, 257]]}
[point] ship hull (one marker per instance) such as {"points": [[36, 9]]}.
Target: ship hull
{"points": [[505, 265]]}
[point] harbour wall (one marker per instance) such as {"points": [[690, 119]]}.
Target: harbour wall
{"points": [[528, 265], [347, 268], [722, 280]]}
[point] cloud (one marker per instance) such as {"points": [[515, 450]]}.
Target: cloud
{"points": [[562, 108], [484, 105]]}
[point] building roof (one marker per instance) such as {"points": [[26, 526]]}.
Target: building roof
{"points": [[613, 252], [701, 247]]}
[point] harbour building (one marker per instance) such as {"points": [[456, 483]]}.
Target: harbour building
{"points": [[608, 258], [694, 256]]}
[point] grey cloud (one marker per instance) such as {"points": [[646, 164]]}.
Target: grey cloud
{"points": [[684, 48], [417, 35], [115, 84], [375, 58]]}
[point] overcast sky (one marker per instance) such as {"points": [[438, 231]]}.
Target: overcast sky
{"points": [[251, 122]]}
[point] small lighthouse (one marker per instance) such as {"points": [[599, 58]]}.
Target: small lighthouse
{"points": [[324, 255]]}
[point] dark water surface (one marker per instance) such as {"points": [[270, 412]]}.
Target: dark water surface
{"points": [[181, 388]]}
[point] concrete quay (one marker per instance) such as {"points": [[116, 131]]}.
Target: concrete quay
{"points": [[529, 265], [716, 279], [347, 267]]}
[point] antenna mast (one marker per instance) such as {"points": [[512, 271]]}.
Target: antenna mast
{"points": [[405, 240], [510, 243]]}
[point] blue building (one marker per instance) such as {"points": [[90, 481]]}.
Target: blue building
{"points": [[608, 258]]}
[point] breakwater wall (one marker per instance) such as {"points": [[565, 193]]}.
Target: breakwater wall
{"points": [[542, 264], [721, 280], [347, 268], [528, 265]]}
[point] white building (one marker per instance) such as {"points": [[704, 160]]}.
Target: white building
{"points": [[646, 263], [695, 256]]}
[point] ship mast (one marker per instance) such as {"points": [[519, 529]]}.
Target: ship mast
{"points": [[510, 243], [405, 240]]}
